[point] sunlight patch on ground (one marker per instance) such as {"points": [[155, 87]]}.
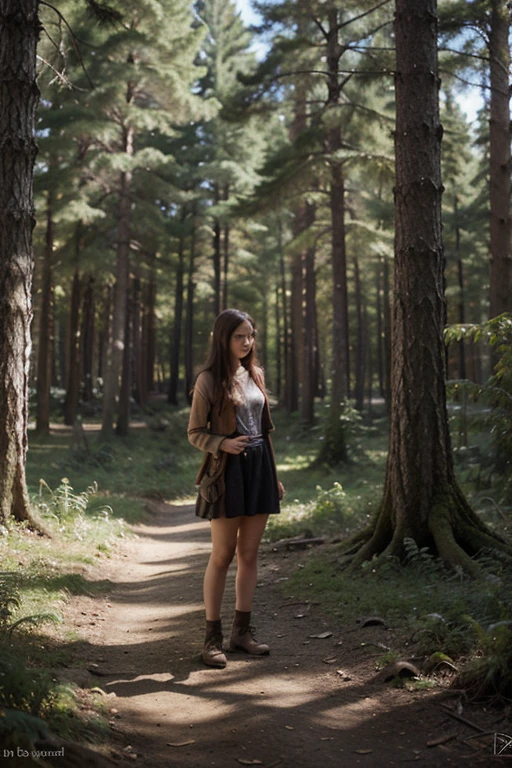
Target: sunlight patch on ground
{"points": [[350, 715]]}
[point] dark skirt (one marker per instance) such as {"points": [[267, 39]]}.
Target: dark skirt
{"points": [[251, 483]]}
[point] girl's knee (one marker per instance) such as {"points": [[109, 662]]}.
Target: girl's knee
{"points": [[247, 556], [222, 559]]}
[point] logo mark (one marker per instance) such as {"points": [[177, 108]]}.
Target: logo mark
{"points": [[502, 744]]}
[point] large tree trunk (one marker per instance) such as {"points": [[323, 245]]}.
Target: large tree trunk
{"points": [[116, 346], [45, 342], [500, 168], [421, 498], [19, 33]]}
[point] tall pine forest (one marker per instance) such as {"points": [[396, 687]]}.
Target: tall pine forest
{"points": [[188, 163]]}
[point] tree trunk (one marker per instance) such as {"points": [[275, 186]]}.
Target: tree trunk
{"points": [[294, 329], [178, 316], [334, 448], [462, 308], [225, 266], [500, 165], [360, 341], [104, 334], [380, 331], [387, 332], [19, 95], [217, 259], [73, 357], [123, 419], [149, 328], [138, 371], [421, 498], [116, 346], [88, 334], [45, 345], [283, 345], [309, 371], [189, 315]]}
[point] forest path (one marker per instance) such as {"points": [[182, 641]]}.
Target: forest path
{"points": [[290, 709]]}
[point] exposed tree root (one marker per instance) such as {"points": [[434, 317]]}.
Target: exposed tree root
{"points": [[453, 531]]}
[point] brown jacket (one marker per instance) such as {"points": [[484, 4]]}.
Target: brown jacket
{"points": [[211, 422]]}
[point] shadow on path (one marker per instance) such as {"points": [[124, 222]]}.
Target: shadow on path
{"points": [[292, 708]]}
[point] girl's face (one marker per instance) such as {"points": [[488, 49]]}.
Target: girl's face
{"points": [[241, 341]]}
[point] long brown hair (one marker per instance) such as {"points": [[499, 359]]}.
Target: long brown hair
{"points": [[219, 358]]}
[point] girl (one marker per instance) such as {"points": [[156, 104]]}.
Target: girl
{"points": [[238, 486]]}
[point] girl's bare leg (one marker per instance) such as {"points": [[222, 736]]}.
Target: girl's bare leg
{"points": [[224, 540], [250, 532]]}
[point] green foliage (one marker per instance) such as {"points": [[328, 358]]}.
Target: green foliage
{"points": [[22, 688], [496, 393], [489, 672]]}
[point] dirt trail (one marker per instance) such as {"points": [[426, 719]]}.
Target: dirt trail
{"points": [[292, 708]]}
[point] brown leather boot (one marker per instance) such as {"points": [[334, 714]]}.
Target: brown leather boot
{"points": [[213, 655], [242, 638]]}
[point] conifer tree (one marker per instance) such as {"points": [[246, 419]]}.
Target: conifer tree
{"points": [[421, 497]]}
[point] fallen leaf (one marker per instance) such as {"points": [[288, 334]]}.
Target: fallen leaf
{"points": [[321, 636], [289, 727], [329, 660], [180, 743]]}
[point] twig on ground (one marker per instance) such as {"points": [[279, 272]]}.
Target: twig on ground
{"points": [[461, 719]]}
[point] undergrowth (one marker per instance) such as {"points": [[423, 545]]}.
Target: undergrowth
{"points": [[437, 611], [39, 577]]}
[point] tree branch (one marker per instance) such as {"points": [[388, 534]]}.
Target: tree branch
{"points": [[362, 15], [73, 39]]}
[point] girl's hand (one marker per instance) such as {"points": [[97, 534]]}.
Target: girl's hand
{"points": [[235, 445], [280, 490]]}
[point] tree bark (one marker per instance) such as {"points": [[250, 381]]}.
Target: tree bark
{"points": [[360, 341], [73, 356], [123, 419], [380, 331], [500, 162], [149, 328], [19, 95], [116, 346], [334, 450], [309, 371], [137, 357], [217, 258], [178, 316], [45, 343], [421, 498], [189, 315], [88, 336]]}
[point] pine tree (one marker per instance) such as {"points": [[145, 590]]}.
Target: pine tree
{"points": [[421, 498], [19, 33]]}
